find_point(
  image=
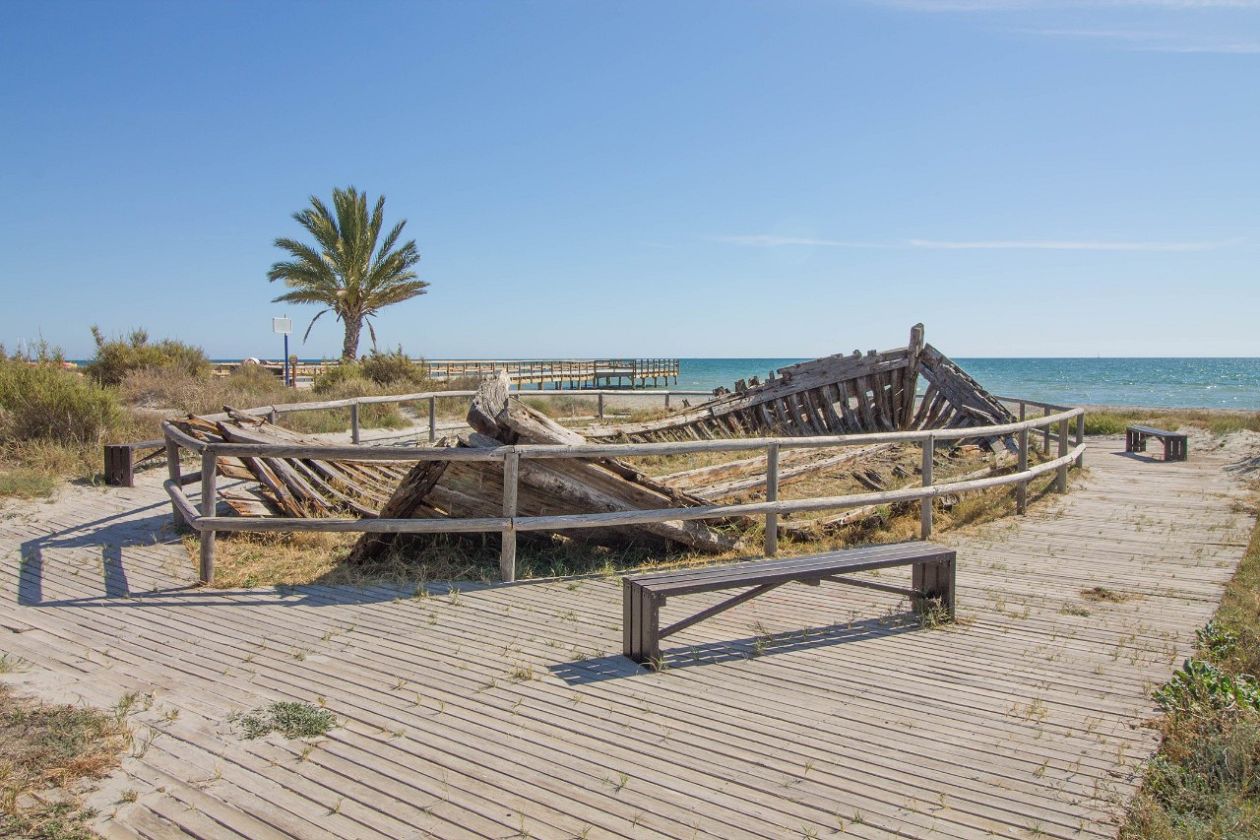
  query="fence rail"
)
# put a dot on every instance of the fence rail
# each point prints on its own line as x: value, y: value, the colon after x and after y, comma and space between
x: 202, y: 517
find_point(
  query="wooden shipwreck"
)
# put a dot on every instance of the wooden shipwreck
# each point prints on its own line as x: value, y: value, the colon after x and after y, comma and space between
x: 835, y: 395
x: 544, y: 487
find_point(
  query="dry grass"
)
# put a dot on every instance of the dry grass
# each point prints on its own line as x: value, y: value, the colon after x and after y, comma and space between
x: 247, y: 560
x: 47, y: 752
x: 1220, y: 422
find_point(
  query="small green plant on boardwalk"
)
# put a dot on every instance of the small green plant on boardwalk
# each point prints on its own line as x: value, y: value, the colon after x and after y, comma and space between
x: 1205, y: 781
x: 46, y: 751
x: 291, y: 719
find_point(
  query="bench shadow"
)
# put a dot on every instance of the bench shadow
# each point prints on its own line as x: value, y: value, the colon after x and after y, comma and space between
x: 1141, y: 456
x: 615, y: 667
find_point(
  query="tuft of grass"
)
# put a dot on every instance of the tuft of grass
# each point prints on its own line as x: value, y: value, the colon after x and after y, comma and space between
x: 45, y: 751
x: 27, y: 483
x: 1204, y: 783
x: 291, y: 719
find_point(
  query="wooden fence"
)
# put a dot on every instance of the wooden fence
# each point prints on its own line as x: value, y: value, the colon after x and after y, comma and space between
x: 203, y: 518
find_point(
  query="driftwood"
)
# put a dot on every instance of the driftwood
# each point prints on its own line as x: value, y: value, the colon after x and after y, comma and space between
x: 834, y: 395
x: 544, y: 487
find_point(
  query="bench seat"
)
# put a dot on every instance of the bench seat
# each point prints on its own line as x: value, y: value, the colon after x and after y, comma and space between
x: 1176, y: 445
x: 645, y: 594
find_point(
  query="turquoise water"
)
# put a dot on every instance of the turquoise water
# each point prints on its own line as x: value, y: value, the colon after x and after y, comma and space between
x: 1152, y: 383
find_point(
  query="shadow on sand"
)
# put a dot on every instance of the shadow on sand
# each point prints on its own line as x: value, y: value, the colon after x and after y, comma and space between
x: 616, y: 667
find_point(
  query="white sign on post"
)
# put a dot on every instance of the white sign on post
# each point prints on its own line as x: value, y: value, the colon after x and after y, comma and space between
x: 282, y: 326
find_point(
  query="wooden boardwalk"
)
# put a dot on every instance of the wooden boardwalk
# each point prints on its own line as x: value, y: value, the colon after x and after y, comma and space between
x: 506, y: 711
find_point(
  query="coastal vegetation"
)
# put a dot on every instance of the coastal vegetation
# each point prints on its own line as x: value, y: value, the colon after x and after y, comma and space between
x: 54, y: 417
x: 1204, y: 783
x: 348, y: 270
x: 1220, y: 422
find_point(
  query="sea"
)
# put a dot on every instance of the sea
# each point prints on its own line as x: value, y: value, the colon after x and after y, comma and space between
x: 1232, y: 383
x: 1144, y: 382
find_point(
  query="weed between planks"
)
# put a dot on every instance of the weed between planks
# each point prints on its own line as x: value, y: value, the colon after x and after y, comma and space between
x: 291, y: 719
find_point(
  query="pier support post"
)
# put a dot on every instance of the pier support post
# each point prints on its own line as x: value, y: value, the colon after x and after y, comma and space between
x: 925, y: 504
x: 209, y: 494
x: 772, y: 495
x: 507, y: 553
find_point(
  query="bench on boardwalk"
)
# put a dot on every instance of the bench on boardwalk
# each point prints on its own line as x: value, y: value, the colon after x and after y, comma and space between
x: 644, y: 595
x: 121, y: 461
x: 1175, y: 445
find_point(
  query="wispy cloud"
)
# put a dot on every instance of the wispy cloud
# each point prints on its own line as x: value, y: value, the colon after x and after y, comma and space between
x: 1145, y: 40
x: 1061, y: 245
x: 766, y: 240
x: 774, y: 241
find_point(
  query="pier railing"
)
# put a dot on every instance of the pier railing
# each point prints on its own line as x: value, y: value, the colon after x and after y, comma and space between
x: 202, y: 516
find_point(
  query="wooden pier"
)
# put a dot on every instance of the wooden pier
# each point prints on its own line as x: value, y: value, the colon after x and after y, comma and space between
x: 507, y: 710
x: 570, y: 374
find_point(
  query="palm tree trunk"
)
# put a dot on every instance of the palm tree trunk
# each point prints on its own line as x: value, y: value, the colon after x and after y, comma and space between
x: 350, y: 347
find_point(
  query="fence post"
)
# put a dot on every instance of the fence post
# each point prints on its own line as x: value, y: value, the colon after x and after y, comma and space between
x: 173, y: 472
x: 1080, y: 438
x: 667, y: 399
x: 432, y: 419
x: 209, y: 496
x: 601, y: 406
x: 925, y: 504
x: 273, y: 417
x: 1045, y: 445
x: 354, y: 422
x: 1021, y: 489
x: 772, y: 495
x: 507, y: 556
x: 1060, y: 483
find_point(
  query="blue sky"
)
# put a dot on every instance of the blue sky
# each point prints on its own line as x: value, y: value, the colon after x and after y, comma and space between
x: 694, y: 179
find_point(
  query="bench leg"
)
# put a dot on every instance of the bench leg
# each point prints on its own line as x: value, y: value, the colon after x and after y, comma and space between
x: 641, y: 625
x: 936, y: 581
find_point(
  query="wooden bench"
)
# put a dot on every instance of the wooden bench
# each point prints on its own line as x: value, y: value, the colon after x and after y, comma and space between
x: 1175, y: 445
x: 644, y: 595
x: 121, y: 461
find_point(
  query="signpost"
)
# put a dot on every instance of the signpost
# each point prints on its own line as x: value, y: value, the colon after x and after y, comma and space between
x: 284, y: 326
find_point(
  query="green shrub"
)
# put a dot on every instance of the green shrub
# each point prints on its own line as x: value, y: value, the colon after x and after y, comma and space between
x: 392, y: 368
x: 334, y: 376
x: 1200, y: 687
x: 115, y: 358
x: 46, y: 402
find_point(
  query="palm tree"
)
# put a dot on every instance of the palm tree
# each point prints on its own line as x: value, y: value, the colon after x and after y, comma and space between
x: 345, y: 270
